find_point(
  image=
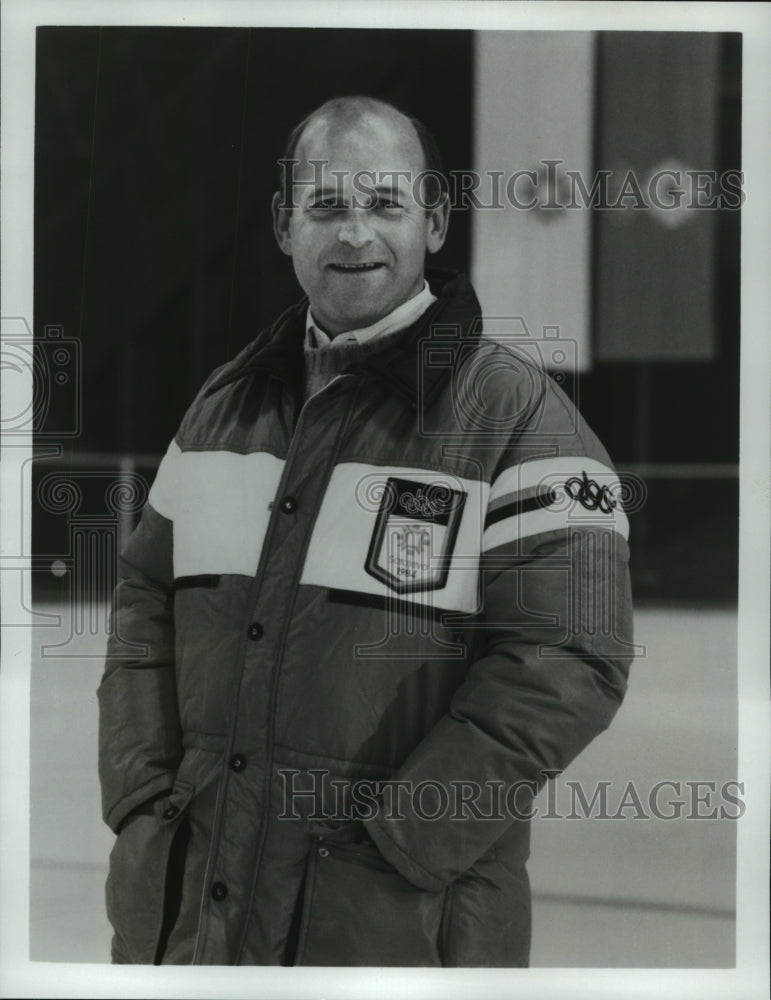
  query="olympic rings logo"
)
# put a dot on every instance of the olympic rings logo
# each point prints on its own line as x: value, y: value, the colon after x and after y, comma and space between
x: 590, y: 494
x: 418, y: 503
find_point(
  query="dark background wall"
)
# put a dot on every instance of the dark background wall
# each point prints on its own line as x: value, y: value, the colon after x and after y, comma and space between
x: 154, y: 164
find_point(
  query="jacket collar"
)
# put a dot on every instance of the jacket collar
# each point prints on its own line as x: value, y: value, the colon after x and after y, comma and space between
x: 453, y: 320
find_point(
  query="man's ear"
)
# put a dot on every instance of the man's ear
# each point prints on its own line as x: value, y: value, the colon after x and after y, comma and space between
x: 281, y: 218
x: 438, y: 222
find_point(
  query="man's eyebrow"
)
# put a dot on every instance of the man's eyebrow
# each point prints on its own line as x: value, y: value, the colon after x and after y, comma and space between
x: 390, y: 188
x: 324, y: 192
x: 332, y: 191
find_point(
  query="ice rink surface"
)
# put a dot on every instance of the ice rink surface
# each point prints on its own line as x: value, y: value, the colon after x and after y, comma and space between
x: 614, y: 892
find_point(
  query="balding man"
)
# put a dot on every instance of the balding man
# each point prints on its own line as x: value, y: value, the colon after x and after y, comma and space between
x: 379, y: 594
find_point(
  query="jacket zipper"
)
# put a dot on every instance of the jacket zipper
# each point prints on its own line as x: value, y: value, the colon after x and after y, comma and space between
x: 344, y: 423
x: 256, y: 590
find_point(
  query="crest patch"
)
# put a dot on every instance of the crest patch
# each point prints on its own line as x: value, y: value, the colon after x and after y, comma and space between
x: 414, y: 535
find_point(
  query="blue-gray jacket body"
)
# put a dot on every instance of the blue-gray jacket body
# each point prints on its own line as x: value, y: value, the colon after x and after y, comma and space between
x: 351, y: 640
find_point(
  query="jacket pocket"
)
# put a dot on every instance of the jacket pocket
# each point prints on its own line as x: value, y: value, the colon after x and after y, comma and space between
x: 140, y: 894
x: 358, y: 910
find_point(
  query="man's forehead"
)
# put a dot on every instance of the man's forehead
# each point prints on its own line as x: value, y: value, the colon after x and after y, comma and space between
x: 375, y: 142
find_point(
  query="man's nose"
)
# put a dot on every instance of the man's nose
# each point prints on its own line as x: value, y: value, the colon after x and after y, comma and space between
x: 355, y: 231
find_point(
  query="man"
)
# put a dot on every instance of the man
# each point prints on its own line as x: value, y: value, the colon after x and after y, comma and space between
x: 378, y: 595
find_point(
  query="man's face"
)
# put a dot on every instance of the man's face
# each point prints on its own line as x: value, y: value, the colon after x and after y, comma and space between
x: 356, y: 236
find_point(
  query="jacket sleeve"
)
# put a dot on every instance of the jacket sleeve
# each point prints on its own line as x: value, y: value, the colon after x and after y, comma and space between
x: 139, y: 730
x: 553, y: 652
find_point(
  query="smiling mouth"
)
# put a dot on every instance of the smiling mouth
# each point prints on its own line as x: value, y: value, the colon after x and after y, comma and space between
x: 356, y: 267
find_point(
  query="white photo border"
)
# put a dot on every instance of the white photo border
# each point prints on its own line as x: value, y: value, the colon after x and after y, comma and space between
x: 21, y: 978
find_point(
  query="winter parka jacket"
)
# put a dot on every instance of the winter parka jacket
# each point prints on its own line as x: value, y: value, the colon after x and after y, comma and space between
x: 351, y: 640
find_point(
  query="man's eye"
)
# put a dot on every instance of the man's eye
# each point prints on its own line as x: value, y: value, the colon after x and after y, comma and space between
x: 387, y: 203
